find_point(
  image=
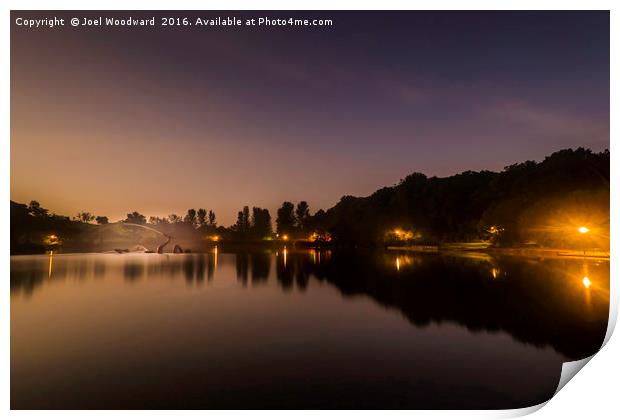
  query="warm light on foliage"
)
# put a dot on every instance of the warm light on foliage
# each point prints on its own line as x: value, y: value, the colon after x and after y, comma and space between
x: 494, y: 230
x: 52, y: 239
x: 400, y: 234
x: 315, y: 236
x: 579, y: 222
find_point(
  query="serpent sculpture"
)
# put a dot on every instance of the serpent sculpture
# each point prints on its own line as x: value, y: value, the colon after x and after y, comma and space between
x: 160, y: 248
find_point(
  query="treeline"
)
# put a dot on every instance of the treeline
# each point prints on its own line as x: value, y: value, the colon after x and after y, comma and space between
x: 31, y: 225
x: 294, y: 221
x: 539, y: 203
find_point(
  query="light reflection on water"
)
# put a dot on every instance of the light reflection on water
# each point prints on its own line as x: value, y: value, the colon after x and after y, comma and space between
x: 299, y: 329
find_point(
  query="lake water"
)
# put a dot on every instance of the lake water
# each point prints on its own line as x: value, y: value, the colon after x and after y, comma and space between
x: 299, y: 329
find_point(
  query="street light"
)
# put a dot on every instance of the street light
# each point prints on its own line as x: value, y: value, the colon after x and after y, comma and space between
x: 583, y: 230
x: 586, y: 282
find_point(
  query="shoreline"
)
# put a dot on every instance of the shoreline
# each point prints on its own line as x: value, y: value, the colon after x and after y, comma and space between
x: 513, y: 251
x: 445, y: 249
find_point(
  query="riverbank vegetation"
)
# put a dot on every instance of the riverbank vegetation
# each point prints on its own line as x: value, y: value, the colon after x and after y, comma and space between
x: 562, y: 202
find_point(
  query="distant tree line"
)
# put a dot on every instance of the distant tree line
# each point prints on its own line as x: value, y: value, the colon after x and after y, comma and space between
x: 541, y: 203
x: 529, y: 202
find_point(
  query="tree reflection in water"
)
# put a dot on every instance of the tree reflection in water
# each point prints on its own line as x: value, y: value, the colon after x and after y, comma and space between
x: 537, y: 301
x: 299, y: 329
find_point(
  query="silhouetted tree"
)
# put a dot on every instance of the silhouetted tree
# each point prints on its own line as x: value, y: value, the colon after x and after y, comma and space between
x: 239, y: 224
x: 190, y: 217
x: 35, y: 209
x: 317, y: 222
x: 285, y: 221
x: 242, y: 227
x: 155, y: 220
x: 102, y: 220
x: 136, y: 218
x: 518, y: 202
x: 302, y: 212
x: 173, y: 218
x: 85, y: 217
x: 201, y: 217
x: 261, y: 222
x: 246, y: 218
x: 534, y: 202
x: 211, y: 218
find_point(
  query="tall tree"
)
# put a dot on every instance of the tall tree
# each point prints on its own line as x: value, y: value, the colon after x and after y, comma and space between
x: 201, y: 217
x: 261, y: 222
x: 211, y: 218
x: 285, y: 220
x: 302, y: 212
x: 190, y: 217
x: 239, y: 225
x: 243, y: 221
x: 246, y: 218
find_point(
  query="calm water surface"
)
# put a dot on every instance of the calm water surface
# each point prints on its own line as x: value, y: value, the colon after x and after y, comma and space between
x: 303, y: 329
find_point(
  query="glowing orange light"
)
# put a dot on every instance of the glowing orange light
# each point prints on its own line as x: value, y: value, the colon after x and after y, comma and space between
x: 52, y: 239
x: 397, y: 264
x: 586, y: 282
x: 49, y: 270
x: 402, y: 235
x: 285, y: 237
x: 583, y: 229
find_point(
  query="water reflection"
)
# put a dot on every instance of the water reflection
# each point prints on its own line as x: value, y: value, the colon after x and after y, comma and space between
x: 51, y: 263
x: 542, y: 304
x: 555, y: 299
x: 261, y: 266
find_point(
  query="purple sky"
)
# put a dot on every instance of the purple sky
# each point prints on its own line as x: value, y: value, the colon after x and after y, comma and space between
x: 159, y: 120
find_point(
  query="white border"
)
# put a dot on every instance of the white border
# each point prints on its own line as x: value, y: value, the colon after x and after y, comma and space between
x: 594, y: 394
